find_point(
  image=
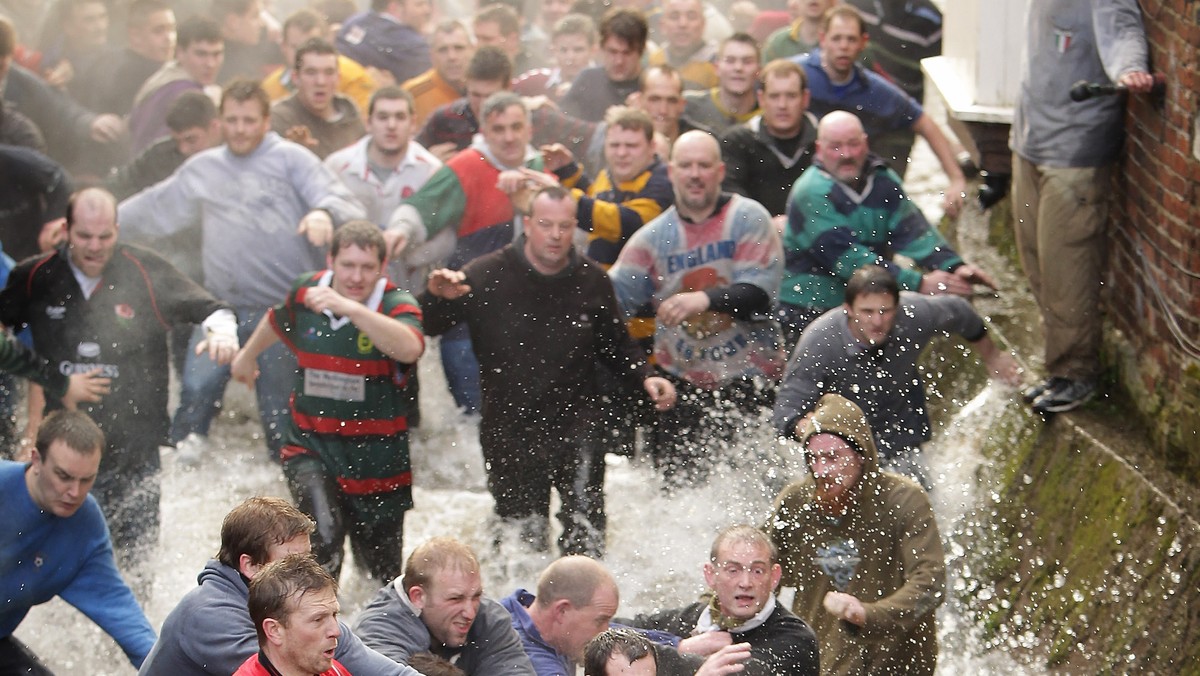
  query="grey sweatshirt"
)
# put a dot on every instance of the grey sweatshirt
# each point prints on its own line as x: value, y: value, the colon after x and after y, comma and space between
x: 249, y: 208
x: 881, y: 379
x: 1068, y: 41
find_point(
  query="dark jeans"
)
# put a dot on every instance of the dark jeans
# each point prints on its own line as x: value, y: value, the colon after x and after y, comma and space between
x: 17, y: 658
x: 524, y: 463
x: 128, y: 490
x: 378, y: 545
x: 683, y: 440
x: 462, y: 369
x: 203, y: 387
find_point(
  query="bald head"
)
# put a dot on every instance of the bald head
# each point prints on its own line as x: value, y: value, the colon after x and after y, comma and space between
x: 574, y: 578
x: 842, y: 146
x: 696, y: 172
x: 839, y: 122
x: 576, y: 599
x: 696, y: 141
x: 92, y: 230
x: 91, y: 201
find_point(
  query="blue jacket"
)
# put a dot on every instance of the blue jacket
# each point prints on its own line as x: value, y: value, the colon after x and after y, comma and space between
x: 879, y: 104
x: 546, y: 660
x: 43, y: 556
x: 375, y: 40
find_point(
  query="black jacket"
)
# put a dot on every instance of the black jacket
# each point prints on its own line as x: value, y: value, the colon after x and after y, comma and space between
x: 784, y: 645
x: 120, y: 330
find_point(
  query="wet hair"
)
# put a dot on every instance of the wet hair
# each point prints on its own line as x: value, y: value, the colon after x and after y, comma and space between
x: 278, y: 587
x: 490, y: 64
x: 140, y: 11
x: 633, y: 119
x: 434, y: 556
x: 192, y: 109
x: 89, y: 196
x: 574, y: 578
x: 743, y: 533
x: 429, y: 664
x: 242, y: 90
x: 73, y: 428
x: 197, y: 29
x: 8, y: 37
x: 871, y: 279
x: 500, y: 102
x: 625, y: 642
x: 844, y: 12
x: 257, y: 524
x: 576, y: 24
x: 391, y: 93
x: 627, y: 24
x: 502, y: 15
x: 745, y: 39
x: 318, y: 46
x: 362, y: 234
x: 223, y: 8
x: 305, y: 21
x: 782, y: 68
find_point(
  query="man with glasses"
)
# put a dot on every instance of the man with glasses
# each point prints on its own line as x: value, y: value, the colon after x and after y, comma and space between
x: 742, y: 573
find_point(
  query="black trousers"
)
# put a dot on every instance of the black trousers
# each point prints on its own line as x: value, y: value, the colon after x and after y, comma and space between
x: 128, y: 490
x: 524, y: 462
x: 684, y: 441
x: 378, y: 544
x: 17, y: 658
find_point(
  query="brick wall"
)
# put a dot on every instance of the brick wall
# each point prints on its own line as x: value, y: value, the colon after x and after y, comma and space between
x: 1156, y: 241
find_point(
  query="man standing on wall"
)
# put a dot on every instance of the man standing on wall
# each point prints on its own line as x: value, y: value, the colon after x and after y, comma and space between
x: 1062, y: 161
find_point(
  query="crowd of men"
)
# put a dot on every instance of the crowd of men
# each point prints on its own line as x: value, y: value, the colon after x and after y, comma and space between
x: 632, y: 227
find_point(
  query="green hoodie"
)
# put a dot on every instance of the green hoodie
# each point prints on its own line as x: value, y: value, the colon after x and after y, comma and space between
x: 885, y: 550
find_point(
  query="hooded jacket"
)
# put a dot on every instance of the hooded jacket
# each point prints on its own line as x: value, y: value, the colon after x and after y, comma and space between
x: 886, y: 551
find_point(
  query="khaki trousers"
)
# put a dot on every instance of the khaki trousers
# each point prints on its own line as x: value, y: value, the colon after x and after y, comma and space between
x: 1060, y: 217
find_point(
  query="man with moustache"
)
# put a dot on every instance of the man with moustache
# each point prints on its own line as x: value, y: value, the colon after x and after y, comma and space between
x: 861, y: 547
x: 849, y: 210
x: 838, y: 82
